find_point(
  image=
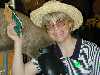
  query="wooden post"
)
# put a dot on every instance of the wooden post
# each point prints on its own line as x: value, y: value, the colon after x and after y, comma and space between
x: 5, y: 62
x: 12, y: 3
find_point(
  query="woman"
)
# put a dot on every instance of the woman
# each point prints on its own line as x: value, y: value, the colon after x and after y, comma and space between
x: 59, y: 20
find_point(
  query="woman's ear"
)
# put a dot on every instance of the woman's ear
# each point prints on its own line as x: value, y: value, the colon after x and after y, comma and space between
x: 71, y: 25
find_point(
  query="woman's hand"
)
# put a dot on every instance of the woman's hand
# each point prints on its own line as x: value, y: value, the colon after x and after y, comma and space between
x: 12, y: 34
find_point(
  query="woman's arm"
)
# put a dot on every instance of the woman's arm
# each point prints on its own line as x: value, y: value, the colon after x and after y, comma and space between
x: 30, y: 69
x: 18, y: 65
x: 19, y: 68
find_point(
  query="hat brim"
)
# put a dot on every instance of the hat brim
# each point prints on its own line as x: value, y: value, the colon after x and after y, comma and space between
x: 54, y: 6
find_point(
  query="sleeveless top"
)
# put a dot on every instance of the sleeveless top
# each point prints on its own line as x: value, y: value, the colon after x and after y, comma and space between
x: 84, y: 61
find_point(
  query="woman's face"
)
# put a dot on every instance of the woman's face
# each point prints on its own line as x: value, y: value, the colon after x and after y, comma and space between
x: 59, y: 31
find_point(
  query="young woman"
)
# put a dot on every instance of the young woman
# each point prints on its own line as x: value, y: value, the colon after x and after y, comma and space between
x: 78, y: 56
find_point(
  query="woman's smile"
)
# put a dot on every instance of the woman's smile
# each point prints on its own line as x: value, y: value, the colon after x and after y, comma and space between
x: 59, y: 34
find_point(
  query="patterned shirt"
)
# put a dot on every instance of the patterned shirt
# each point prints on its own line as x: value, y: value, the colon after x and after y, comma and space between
x: 84, y: 61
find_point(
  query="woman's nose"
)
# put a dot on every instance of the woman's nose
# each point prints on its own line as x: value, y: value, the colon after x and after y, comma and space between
x: 55, y: 27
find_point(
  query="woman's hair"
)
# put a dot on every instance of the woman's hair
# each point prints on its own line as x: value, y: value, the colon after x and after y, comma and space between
x: 55, y: 16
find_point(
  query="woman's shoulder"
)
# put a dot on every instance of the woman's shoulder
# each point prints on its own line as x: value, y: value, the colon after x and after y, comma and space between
x: 90, y: 48
x: 89, y: 43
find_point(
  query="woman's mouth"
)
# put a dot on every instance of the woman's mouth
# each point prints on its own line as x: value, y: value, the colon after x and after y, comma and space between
x: 60, y: 34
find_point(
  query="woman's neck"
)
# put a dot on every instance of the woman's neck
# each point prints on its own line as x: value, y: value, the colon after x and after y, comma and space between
x: 67, y: 46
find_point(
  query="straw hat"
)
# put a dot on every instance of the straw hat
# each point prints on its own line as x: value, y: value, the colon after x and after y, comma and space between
x: 54, y: 6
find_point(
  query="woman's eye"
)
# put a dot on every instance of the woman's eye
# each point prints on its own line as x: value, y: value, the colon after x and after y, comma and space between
x: 60, y: 24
